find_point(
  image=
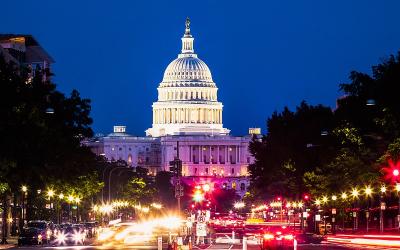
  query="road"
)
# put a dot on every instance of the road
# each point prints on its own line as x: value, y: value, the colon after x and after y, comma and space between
x: 327, y: 246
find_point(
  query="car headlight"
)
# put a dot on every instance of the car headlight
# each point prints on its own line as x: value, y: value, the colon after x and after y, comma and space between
x: 78, y: 237
x: 60, y: 238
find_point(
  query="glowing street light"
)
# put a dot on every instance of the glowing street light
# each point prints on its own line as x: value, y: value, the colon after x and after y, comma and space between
x: 24, y: 188
x: 77, y: 199
x: 383, y: 189
x: 50, y: 193
x: 317, y: 202
x: 344, y: 196
x: 334, y: 197
x: 355, y: 193
x: 71, y: 198
x: 368, y: 191
x: 395, y: 172
x: 324, y: 199
x: 397, y: 187
x: 61, y: 196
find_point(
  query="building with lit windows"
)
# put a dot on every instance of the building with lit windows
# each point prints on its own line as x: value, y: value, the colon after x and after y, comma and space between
x: 187, y: 122
x: 24, y: 51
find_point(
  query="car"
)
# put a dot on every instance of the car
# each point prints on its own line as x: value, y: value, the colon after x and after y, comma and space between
x: 70, y: 235
x: 277, y: 237
x: 90, y: 228
x: 45, y: 229
x: 30, y: 236
x: 309, y: 238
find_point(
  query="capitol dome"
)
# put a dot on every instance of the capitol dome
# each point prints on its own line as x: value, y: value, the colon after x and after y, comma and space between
x: 187, y: 69
x: 187, y: 97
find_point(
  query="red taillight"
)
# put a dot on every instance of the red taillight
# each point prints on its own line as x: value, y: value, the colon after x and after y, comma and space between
x: 288, y: 237
x: 268, y: 236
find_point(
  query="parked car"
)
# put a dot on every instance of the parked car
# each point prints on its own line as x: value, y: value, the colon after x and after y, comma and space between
x: 45, y: 228
x: 30, y: 236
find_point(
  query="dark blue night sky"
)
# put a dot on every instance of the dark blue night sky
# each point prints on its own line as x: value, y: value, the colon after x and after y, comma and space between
x: 263, y: 54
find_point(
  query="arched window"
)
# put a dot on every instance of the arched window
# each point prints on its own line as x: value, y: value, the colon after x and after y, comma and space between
x: 242, y: 187
x: 234, y: 185
x: 129, y: 159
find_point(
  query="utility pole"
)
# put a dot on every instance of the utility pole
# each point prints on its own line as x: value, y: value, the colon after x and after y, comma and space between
x: 176, y: 168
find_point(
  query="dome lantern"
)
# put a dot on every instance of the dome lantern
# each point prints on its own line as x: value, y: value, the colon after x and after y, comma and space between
x: 187, y: 40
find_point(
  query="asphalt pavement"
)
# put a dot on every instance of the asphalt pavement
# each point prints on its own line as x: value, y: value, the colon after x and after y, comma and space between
x: 323, y: 246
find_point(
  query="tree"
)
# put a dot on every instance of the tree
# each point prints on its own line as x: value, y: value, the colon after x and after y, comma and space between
x: 41, y: 132
x: 295, y: 143
x: 164, y: 189
x: 138, y: 190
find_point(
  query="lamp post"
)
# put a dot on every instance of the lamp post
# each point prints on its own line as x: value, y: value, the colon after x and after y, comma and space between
x: 50, y: 194
x: 70, y: 200
x: 59, y: 208
x: 77, y: 201
x: 317, y: 216
x: 334, y: 198
x: 354, y: 194
x: 368, y: 193
x: 398, y: 211
x: 24, y: 190
x: 102, y: 190
x: 396, y: 173
x: 344, y: 198
x: 381, y: 208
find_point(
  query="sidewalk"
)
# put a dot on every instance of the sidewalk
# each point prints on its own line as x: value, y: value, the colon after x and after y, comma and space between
x: 12, y: 242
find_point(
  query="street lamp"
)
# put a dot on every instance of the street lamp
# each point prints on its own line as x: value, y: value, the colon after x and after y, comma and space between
x: 334, y: 198
x: 354, y: 194
x: 344, y: 198
x: 70, y: 200
x: 397, y: 187
x: 382, y: 206
x: 50, y: 194
x: 368, y: 192
x: 59, y: 207
x: 24, y: 190
x: 77, y: 201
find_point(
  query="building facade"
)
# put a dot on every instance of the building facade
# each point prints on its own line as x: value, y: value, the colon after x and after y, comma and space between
x: 25, y: 51
x: 187, y: 123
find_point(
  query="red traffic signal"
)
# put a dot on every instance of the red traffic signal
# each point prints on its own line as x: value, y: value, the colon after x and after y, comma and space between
x: 306, y: 197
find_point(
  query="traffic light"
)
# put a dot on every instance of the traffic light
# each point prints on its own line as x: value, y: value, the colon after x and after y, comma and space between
x: 176, y: 167
x: 306, y: 197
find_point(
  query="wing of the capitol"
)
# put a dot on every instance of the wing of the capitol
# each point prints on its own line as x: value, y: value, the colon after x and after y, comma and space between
x: 187, y: 113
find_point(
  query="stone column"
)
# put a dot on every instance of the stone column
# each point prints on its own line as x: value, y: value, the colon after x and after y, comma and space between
x: 226, y: 154
x: 218, y: 161
x: 238, y: 154
x: 209, y: 154
x: 200, y: 154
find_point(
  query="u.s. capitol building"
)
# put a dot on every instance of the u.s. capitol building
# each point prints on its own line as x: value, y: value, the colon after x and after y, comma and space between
x: 187, y: 111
